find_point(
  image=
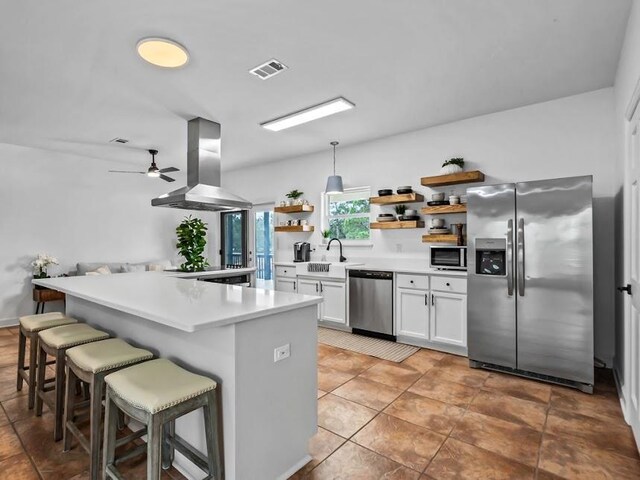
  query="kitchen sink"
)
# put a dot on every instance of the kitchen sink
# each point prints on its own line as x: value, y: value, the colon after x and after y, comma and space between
x: 324, y: 269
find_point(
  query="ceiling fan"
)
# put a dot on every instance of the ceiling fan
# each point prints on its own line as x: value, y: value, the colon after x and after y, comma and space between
x: 153, y: 171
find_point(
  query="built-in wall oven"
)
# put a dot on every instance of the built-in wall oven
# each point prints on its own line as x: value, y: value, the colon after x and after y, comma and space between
x: 448, y: 257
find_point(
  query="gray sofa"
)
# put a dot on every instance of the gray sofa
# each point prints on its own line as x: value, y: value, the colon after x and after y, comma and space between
x: 82, y: 268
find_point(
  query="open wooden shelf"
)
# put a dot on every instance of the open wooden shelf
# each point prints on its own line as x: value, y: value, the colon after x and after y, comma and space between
x: 443, y: 238
x: 453, y: 179
x: 294, y: 209
x: 396, y: 199
x: 294, y: 228
x: 443, y: 209
x: 396, y: 225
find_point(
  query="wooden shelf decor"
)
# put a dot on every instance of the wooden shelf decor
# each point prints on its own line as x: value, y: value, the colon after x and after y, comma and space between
x: 444, y: 209
x: 294, y: 209
x: 453, y: 179
x: 397, y: 199
x: 396, y: 225
x: 444, y: 238
x: 294, y: 228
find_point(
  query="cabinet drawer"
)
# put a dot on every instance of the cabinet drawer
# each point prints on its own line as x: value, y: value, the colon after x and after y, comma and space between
x: 449, y: 284
x: 287, y: 272
x: 405, y: 280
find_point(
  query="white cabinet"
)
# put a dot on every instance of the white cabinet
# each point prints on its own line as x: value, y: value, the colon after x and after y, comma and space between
x: 412, y: 313
x: 431, y: 311
x: 308, y: 287
x: 284, y: 284
x: 449, y: 318
x: 334, y: 307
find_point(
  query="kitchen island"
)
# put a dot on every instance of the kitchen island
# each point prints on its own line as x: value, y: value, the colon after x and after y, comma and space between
x: 229, y: 333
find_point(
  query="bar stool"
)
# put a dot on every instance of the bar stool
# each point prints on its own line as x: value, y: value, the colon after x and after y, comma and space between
x: 91, y: 363
x: 55, y: 342
x: 30, y: 326
x: 156, y: 393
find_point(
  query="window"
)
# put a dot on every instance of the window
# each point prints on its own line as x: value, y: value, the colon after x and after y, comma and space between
x: 233, y: 239
x: 346, y: 215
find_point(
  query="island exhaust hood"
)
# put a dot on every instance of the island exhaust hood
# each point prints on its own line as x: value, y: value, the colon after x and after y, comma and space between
x: 203, y: 191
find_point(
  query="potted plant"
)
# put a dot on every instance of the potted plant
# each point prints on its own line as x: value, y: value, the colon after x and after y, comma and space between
x: 294, y: 196
x: 453, y: 165
x: 41, y: 265
x: 192, y: 239
x: 326, y: 234
x: 400, y: 209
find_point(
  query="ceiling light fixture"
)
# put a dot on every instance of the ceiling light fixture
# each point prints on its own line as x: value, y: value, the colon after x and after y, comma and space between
x: 331, y: 107
x: 334, y: 182
x: 162, y: 52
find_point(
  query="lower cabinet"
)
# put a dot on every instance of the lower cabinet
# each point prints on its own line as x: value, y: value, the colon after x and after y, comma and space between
x: 334, y: 307
x: 412, y: 313
x: 284, y: 284
x: 448, y: 318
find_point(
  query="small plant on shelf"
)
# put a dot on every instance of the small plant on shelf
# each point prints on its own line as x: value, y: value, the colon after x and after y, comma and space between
x: 294, y: 194
x: 400, y: 209
x: 453, y: 165
x: 326, y: 233
x: 192, y: 239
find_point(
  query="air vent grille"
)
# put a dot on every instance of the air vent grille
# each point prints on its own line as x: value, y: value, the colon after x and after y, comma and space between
x: 118, y: 140
x: 268, y: 69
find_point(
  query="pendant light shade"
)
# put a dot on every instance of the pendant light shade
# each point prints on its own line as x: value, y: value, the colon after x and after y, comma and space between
x: 334, y: 182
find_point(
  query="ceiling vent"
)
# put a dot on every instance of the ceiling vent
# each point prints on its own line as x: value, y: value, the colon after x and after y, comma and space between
x: 268, y: 69
x: 118, y: 140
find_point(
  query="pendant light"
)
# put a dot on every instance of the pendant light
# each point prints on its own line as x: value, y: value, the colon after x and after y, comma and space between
x: 334, y: 183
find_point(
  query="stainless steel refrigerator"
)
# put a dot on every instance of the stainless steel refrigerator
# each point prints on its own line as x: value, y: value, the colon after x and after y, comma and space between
x: 530, y: 284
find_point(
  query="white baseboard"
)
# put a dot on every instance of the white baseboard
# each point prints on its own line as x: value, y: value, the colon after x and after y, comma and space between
x: 9, y: 322
x: 623, y: 401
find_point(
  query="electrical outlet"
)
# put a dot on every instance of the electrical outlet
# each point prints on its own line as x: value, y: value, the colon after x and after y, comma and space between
x: 282, y: 352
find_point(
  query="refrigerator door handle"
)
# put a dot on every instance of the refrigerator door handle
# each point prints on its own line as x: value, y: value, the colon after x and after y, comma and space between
x: 510, y: 257
x: 520, y: 254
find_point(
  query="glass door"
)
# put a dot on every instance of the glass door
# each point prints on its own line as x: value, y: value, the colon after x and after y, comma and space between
x: 262, y: 243
x: 233, y: 239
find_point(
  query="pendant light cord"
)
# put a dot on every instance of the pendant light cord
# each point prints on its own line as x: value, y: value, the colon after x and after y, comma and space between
x: 334, y: 157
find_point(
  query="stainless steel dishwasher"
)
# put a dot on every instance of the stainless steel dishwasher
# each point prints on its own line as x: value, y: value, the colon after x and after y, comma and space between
x: 371, y: 303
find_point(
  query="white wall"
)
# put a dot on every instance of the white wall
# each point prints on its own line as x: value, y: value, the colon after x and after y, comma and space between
x: 565, y: 137
x: 627, y: 77
x: 70, y: 207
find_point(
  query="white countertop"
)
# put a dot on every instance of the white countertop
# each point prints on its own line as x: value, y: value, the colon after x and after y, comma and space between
x: 182, y: 303
x: 229, y: 272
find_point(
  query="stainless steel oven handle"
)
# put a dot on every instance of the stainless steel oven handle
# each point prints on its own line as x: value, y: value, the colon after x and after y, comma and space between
x: 520, y: 242
x: 509, y: 265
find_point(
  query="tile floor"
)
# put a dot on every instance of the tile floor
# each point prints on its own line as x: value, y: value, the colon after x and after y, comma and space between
x: 432, y: 417
x: 27, y: 449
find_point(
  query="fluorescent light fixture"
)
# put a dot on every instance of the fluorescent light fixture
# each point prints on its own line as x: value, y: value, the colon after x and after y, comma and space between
x: 331, y: 107
x: 163, y: 52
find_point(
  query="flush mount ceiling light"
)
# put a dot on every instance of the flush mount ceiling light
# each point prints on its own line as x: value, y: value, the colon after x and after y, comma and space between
x: 334, y: 182
x: 162, y: 52
x: 331, y: 107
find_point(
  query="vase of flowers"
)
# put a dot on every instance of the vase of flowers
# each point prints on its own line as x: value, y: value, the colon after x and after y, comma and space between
x: 41, y: 265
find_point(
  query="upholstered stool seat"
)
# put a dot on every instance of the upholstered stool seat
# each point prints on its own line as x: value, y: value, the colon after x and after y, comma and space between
x: 30, y: 325
x: 55, y: 342
x: 156, y: 393
x: 90, y: 363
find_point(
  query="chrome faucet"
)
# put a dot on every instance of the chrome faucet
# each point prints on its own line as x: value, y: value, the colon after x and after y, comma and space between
x: 342, y: 258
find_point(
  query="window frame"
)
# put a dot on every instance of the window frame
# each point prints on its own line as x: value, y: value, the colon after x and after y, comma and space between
x: 366, y: 191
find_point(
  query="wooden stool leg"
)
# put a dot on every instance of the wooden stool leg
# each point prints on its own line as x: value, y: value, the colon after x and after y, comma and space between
x: 110, y: 427
x: 38, y: 385
x: 96, y: 414
x: 69, y: 408
x: 154, y: 448
x: 168, y: 452
x: 59, y: 405
x: 22, y: 345
x: 33, y: 365
x: 211, y: 432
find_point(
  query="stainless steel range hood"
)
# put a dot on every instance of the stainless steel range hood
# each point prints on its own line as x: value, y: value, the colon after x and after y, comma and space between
x: 203, y: 190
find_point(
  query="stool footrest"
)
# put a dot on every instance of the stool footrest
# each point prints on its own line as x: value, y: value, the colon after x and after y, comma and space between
x: 139, y: 450
x: 80, y: 436
x: 190, y: 452
x: 131, y: 437
x: 113, y: 473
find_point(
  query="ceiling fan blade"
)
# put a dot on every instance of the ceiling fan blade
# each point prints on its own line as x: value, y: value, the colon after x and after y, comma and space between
x: 167, y: 179
x: 169, y: 169
x: 125, y: 171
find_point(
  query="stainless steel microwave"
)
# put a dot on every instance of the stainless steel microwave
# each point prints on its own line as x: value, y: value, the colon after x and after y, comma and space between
x: 448, y: 257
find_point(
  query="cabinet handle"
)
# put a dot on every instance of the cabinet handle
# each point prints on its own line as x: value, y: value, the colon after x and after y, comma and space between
x: 448, y: 284
x: 410, y: 281
x: 321, y: 289
x: 316, y: 288
x: 426, y: 299
x: 294, y: 286
x: 433, y: 299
